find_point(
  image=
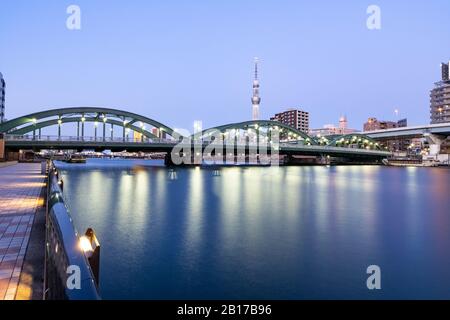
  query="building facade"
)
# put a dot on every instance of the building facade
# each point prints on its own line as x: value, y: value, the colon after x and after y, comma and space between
x: 294, y: 118
x: 2, y: 98
x: 374, y: 124
x: 331, y: 129
x: 440, y: 97
x: 396, y: 145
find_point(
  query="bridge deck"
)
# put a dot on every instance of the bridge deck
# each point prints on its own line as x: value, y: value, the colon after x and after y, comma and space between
x: 16, y: 143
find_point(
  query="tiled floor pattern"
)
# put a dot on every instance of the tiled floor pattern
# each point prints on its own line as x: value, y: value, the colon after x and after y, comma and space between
x: 20, y: 190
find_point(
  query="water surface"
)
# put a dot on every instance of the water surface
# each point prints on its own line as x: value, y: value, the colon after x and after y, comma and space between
x: 264, y: 232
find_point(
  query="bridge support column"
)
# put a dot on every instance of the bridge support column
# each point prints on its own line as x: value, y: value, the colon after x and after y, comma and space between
x: 2, y: 147
x: 124, y: 129
x: 78, y: 130
x: 168, y: 160
x: 112, y: 131
x: 435, y: 142
x: 104, y: 130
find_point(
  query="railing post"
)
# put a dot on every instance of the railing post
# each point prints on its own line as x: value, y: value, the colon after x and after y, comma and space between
x: 124, y: 129
x: 59, y: 127
x: 82, y: 127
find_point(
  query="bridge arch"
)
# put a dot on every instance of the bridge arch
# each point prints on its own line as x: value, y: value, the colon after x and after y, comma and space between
x: 99, y: 115
x: 263, y: 127
x: 361, y: 141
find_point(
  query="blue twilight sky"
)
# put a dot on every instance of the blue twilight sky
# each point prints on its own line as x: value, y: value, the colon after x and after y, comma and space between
x: 180, y: 61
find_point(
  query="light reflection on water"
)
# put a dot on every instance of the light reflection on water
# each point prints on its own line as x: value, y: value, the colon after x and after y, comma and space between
x: 281, y: 232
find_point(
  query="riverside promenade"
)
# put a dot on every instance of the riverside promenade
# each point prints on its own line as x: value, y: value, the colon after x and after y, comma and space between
x: 21, y: 187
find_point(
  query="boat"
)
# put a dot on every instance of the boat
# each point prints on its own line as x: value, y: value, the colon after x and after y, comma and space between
x: 410, y: 162
x: 76, y: 158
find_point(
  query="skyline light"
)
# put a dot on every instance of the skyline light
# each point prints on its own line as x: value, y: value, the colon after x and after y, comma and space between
x: 320, y: 56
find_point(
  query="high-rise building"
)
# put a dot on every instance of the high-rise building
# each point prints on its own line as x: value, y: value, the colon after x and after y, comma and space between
x: 445, y: 70
x: 256, y: 100
x: 2, y: 98
x: 295, y: 118
x: 440, y: 97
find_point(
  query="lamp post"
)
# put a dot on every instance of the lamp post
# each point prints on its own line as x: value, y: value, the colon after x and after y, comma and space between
x: 59, y: 127
x: 104, y: 127
x: 83, y: 119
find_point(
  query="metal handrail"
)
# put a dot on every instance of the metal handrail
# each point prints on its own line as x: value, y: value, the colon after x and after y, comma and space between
x: 63, y: 249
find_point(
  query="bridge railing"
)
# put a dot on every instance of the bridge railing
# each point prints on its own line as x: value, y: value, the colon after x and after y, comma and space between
x: 43, y: 138
x: 336, y: 149
x: 63, y: 250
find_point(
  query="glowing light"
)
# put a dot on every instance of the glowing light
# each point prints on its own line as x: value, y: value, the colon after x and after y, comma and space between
x: 96, y: 124
x: 59, y: 121
x: 85, y: 245
x: 83, y: 119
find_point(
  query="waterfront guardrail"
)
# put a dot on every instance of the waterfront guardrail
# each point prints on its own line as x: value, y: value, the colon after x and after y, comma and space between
x: 68, y: 273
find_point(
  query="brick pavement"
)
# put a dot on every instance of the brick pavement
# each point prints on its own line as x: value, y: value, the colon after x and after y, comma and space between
x: 20, y: 196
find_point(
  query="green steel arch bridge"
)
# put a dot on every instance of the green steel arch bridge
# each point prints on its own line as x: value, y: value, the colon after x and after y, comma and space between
x: 119, y: 130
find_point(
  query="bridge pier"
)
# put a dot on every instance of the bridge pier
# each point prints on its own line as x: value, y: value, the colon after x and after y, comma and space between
x: 435, y: 141
x: 2, y: 148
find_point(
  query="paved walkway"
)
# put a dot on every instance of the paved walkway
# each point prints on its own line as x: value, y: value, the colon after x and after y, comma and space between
x: 20, y: 196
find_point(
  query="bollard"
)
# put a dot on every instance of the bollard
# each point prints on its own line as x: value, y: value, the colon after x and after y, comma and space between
x: 93, y: 253
x: 61, y: 185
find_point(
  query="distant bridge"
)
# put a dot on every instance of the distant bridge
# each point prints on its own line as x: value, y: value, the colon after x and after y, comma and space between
x: 26, y: 133
x: 411, y: 132
x: 435, y: 134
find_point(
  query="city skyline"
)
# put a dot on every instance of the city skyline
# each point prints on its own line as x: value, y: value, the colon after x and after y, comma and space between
x: 179, y: 69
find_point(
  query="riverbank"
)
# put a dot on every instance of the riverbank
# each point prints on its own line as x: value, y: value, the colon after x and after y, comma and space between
x: 7, y: 164
x: 22, y: 245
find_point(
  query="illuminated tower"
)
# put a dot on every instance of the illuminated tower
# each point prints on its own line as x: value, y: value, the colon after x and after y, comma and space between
x: 256, y: 100
x: 2, y: 98
x: 343, y: 124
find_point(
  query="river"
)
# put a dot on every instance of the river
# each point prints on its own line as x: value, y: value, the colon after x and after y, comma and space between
x: 290, y: 232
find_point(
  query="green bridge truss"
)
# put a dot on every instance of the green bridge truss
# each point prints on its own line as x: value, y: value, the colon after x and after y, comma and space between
x: 33, y: 123
x: 292, y: 135
x: 262, y: 128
